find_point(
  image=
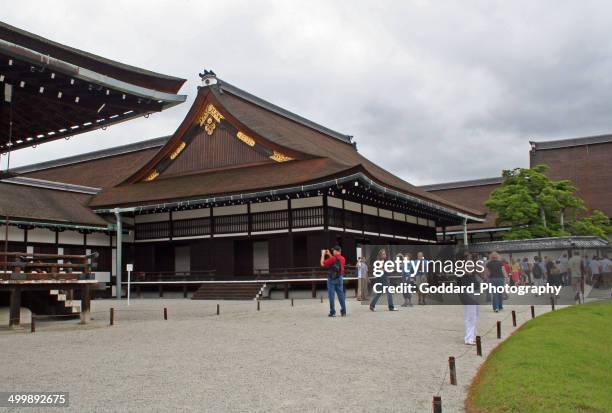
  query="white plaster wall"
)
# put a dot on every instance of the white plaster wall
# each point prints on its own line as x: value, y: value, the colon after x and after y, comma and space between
x: 230, y: 210
x: 41, y: 235
x: 70, y: 237
x: 98, y: 238
x: 307, y: 202
x: 162, y: 216
x: 192, y: 213
x: 14, y: 233
x: 269, y: 206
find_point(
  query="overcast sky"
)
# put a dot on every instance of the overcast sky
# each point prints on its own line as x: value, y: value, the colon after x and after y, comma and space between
x: 432, y: 91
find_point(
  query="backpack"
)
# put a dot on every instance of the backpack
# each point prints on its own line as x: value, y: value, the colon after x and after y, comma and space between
x: 334, y: 269
x: 537, y: 271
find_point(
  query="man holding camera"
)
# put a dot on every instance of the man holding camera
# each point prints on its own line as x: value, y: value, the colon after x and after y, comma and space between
x: 334, y: 262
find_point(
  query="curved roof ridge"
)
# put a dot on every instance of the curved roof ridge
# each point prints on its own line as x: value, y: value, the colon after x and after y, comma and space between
x: 224, y: 86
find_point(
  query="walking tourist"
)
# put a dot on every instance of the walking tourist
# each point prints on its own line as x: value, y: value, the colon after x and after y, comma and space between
x: 362, y: 279
x: 575, y: 272
x: 552, y: 273
x: 496, y: 273
x: 420, y: 275
x: 407, y: 280
x: 471, y: 307
x: 334, y: 262
x: 526, y: 271
x: 562, y: 263
x: 537, y: 273
x: 381, y: 283
x: 595, y: 271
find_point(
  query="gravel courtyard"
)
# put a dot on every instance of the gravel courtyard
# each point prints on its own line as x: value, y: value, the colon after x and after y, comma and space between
x: 281, y: 358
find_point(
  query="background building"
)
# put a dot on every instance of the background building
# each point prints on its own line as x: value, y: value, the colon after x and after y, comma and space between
x: 586, y: 162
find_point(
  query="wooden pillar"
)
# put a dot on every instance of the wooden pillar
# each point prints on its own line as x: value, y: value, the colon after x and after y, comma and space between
x: 290, y: 255
x: 85, y: 303
x: 15, y: 305
x: 325, y: 213
x: 249, y: 219
x: 212, y: 222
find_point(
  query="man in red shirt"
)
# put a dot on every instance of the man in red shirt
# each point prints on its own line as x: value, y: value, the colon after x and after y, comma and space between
x: 335, y: 285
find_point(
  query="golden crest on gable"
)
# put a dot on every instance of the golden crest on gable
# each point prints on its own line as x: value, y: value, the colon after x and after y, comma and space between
x: 280, y: 157
x: 209, y: 119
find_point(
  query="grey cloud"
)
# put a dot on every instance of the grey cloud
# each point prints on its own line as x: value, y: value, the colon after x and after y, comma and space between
x: 431, y: 91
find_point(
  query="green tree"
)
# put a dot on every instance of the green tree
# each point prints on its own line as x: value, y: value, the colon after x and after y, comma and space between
x: 533, y: 205
x: 596, y: 224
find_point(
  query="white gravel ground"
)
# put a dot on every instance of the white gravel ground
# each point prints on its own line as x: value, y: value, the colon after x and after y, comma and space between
x: 281, y: 358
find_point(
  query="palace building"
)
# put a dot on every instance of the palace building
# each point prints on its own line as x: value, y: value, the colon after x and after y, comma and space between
x: 242, y: 187
x: 50, y: 240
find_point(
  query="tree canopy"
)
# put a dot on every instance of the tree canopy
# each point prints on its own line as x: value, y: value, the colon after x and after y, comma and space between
x: 534, y: 206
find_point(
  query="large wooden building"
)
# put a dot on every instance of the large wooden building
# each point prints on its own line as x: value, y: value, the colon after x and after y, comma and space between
x: 49, y: 237
x: 244, y: 186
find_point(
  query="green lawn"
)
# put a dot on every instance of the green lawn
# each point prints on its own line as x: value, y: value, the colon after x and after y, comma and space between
x: 558, y: 362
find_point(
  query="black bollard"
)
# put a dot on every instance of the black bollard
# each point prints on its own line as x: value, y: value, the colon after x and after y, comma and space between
x: 258, y: 306
x: 291, y: 301
x: 453, y: 372
x: 33, y: 324
x: 165, y: 313
x: 532, y: 312
x: 218, y: 308
x: 112, y: 316
x: 437, y: 404
x: 552, y: 303
x: 513, y: 318
x: 499, y: 329
x: 478, y: 346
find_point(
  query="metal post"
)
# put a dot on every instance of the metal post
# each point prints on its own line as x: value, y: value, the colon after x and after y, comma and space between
x: 465, y: 234
x: 165, y: 313
x: 453, y: 371
x: 478, y: 346
x: 513, y: 318
x: 129, y: 275
x: 119, y: 246
x: 532, y: 312
x: 499, y: 329
x: 437, y: 404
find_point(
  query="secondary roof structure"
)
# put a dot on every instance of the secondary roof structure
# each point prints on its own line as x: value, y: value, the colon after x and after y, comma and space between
x: 52, y: 91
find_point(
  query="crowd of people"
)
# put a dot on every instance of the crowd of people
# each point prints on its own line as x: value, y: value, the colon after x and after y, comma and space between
x: 593, y: 269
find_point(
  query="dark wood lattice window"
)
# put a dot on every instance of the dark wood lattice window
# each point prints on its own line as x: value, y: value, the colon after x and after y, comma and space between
x: 307, y: 217
x: 230, y: 224
x: 270, y: 221
x: 191, y: 227
x: 153, y: 230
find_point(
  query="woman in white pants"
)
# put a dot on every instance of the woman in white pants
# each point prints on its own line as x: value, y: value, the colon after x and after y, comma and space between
x: 471, y: 307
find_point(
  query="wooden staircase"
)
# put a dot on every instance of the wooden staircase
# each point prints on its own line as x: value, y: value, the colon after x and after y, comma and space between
x: 63, y: 305
x: 229, y: 291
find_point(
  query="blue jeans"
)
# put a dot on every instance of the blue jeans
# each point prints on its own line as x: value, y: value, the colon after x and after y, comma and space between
x: 336, y: 287
x: 497, y: 298
x: 384, y: 281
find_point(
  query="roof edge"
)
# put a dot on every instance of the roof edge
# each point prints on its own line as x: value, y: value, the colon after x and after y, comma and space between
x: 462, y: 184
x: 95, y: 155
x: 242, y: 94
x: 571, y: 142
